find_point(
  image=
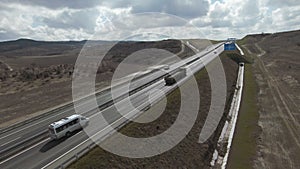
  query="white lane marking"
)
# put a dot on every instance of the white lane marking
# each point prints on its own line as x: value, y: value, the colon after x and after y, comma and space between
x: 149, y: 88
x: 94, y: 135
x: 30, y: 126
x: 57, y: 114
x: 21, y: 152
x: 74, y: 135
x: 39, y: 122
x: 105, y: 128
x: 9, y: 142
x: 77, y: 133
x: 67, y: 151
x: 31, y: 148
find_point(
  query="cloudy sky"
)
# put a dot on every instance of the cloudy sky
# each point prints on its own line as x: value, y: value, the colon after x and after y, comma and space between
x: 121, y: 19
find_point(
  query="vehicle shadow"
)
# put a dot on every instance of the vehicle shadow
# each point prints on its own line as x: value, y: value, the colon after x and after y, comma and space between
x: 52, y: 143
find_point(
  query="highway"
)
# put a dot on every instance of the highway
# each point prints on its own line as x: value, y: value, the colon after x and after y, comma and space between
x: 17, y: 151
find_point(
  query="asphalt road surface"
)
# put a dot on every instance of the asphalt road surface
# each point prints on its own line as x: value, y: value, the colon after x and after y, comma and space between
x: 46, y: 150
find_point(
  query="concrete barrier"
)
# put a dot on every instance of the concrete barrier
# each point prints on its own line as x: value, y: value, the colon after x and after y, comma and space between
x: 225, y: 140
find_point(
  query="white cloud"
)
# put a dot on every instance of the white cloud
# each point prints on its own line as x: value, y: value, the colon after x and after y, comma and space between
x: 182, y: 8
x: 57, y: 4
x: 282, y: 3
x: 286, y: 16
x: 76, y: 20
x: 240, y: 17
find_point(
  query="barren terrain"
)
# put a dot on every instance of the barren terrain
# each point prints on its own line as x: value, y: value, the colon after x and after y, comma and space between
x: 36, y: 76
x: 276, y: 68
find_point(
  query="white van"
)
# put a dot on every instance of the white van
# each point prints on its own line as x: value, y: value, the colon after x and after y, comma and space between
x: 67, y: 125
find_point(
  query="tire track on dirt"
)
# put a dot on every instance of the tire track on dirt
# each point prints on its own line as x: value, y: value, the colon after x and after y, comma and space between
x: 281, y: 155
x: 274, y: 86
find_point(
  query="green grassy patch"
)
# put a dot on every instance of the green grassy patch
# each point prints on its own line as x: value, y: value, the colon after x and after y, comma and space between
x: 249, y: 57
x: 244, y: 142
x: 238, y: 58
x: 215, y: 41
x: 242, y: 41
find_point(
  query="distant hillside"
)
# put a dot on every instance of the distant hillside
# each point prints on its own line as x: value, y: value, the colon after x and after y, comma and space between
x: 28, y: 47
x: 278, y: 38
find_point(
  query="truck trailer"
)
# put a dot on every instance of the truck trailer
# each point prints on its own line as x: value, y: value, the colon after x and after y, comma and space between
x: 175, y: 77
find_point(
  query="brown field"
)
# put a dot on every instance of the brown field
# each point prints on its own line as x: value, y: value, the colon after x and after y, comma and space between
x: 36, y: 76
x: 276, y: 68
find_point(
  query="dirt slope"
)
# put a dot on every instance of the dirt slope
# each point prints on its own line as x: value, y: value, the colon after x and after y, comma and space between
x: 277, y: 67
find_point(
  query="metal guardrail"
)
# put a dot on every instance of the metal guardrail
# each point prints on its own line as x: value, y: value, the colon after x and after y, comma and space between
x: 9, y: 128
x: 84, y: 147
x: 71, y: 104
x: 42, y: 135
x: 18, y: 147
x: 81, y: 149
x: 53, y: 111
x: 7, y: 152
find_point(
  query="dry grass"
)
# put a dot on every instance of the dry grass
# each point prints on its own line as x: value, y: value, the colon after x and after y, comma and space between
x: 188, y: 153
x: 244, y: 145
